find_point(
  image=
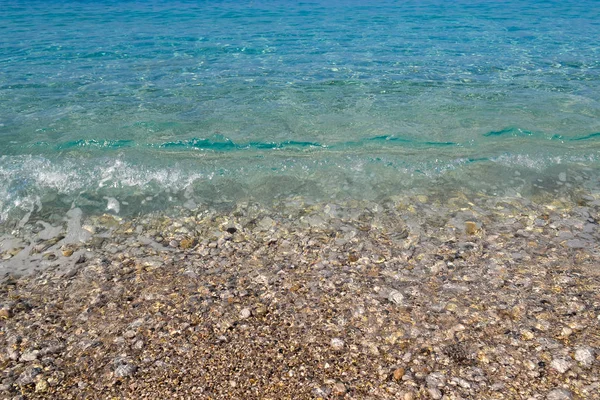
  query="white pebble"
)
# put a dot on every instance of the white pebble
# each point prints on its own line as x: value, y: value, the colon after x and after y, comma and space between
x: 337, y: 344
x: 560, y: 364
x: 562, y: 177
x: 585, y: 356
x: 396, y: 297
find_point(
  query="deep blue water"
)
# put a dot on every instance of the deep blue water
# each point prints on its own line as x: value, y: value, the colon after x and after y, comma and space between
x: 160, y: 102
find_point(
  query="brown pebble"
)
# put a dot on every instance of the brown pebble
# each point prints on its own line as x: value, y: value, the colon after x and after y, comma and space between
x: 398, y: 373
x: 471, y: 228
x: 67, y: 252
x: 5, y: 313
x: 186, y: 243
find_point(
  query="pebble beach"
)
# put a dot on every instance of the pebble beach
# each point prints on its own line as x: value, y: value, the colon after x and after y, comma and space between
x: 319, y: 200
x: 416, y: 297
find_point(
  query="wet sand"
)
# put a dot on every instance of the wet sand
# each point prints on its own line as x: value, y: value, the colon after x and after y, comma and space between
x: 410, y: 298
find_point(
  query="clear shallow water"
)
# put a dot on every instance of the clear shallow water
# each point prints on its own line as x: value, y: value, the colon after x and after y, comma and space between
x: 157, y: 104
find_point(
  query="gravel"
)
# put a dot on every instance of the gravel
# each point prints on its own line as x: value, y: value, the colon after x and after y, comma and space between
x: 315, y: 300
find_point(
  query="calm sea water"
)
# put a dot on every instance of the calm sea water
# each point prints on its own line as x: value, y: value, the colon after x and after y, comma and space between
x: 159, y: 103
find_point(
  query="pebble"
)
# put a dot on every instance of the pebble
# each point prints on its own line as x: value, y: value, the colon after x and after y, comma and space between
x: 138, y: 345
x: 562, y: 177
x: 67, y: 252
x: 585, y: 356
x: 462, y: 383
x: 560, y: 364
x: 5, y: 313
x: 408, y: 396
x: 41, y: 386
x: 125, y: 370
x: 29, y: 356
x: 398, y: 373
x: 245, y: 313
x: 470, y: 228
x: 339, y: 389
x: 129, y: 334
x: 435, y: 379
x: 559, y: 394
x: 186, y: 243
x: 337, y: 344
x: 435, y: 393
x: 28, y: 376
x: 396, y: 297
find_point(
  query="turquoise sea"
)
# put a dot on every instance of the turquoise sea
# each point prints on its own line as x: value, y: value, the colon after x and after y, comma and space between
x: 130, y: 107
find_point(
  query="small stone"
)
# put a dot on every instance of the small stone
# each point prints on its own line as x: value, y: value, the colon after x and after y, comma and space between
x: 260, y: 310
x: 408, y: 396
x: 5, y: 313
x: 559, y: 394
x: 67, y: 252
x: 462, y: 383
x: 41, y: 386
x: 561, y: 365
x: 125, y: 370
x: 562, y: 177
x: 435, y: 393
x: 585, y: 356
x: 339, y: 389
x: 13, y: 354
x: 435, y: 379
x: 29, y: 356
x: 527, y: 335
x: 398, y: 373
x: 471, y: 228
x: 396, y: 297
x: 130, y: 334
x: 566, y: 332
x: 245, y: 313
x: 186, y: 243
x: 28, y: 376
x: 337, y: 344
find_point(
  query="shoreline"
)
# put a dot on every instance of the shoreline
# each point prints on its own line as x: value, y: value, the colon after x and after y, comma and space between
x: 416, y: 297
